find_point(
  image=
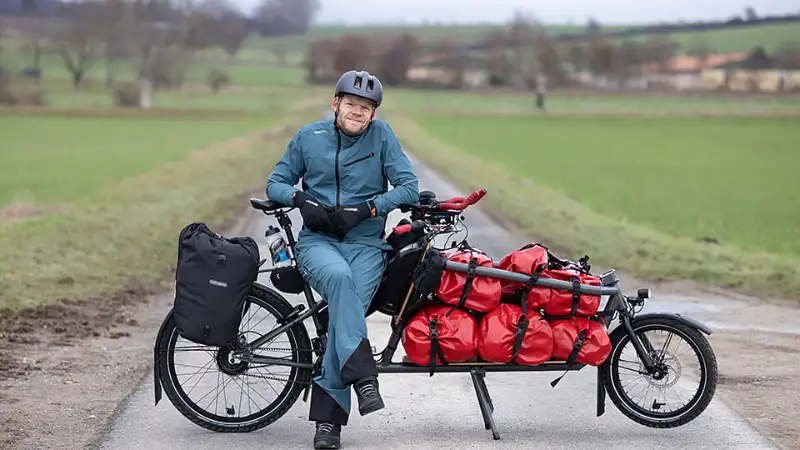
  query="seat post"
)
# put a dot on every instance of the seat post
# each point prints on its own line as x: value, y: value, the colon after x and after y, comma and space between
x: 286, y: 223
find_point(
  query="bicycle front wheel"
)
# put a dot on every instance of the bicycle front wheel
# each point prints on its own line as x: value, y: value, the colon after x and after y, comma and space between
x: 684, y: 382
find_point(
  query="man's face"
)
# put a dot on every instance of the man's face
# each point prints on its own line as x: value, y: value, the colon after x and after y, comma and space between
x: 355, y: 113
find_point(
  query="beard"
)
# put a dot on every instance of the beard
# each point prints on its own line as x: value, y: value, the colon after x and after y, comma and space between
x: 352, y: 127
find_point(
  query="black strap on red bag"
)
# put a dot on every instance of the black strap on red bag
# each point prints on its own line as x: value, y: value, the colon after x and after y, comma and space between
x: 471, y: 274
x: 576, y: 300
x: 524, y: 321
x: 436, y: 348
x: 573, y: 355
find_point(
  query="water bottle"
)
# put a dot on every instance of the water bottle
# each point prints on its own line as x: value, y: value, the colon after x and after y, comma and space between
x: 277, y: 247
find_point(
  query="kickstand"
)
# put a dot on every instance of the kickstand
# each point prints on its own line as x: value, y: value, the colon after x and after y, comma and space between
x: 484, y: 400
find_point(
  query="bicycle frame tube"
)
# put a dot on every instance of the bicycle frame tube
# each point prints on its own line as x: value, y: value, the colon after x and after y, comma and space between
x: 272, y: 334
x: 286, y: 223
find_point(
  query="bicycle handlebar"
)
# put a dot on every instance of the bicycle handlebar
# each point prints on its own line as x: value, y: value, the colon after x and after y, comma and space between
x: 460, y: 203
x: 453, y: 204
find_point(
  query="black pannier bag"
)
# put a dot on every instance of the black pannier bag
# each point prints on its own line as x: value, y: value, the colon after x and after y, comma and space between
x: 407, y: 250
x: 212, y: 279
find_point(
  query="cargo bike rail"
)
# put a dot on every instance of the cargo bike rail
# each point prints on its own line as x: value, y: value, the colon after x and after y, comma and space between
x: 656, y: 362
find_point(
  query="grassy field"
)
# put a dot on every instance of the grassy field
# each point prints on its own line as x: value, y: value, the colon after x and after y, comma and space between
x: 115, y: 217
x: 457, y: 102
x: 770, y: 36
x: 682, y: 176
x: 74, y: 157
x: 636, y: 193
x: 92, y: 197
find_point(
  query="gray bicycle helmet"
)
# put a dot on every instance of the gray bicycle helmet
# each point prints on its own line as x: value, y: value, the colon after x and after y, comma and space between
x: 361, y: 84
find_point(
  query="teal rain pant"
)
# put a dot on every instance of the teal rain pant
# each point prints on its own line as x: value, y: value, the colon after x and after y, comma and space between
x: 346, y: 274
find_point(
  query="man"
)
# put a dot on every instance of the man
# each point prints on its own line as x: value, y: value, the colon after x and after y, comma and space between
x: 346, y: 165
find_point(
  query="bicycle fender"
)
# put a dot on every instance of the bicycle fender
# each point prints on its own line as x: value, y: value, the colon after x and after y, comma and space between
x: 156, y: 365
x: 688, y: 320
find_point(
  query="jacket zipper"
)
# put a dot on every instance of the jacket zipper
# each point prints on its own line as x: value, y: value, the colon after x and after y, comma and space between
x: 338, y: 149
x: 359, y: 160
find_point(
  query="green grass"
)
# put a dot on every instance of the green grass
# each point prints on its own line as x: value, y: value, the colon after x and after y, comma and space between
x: 741, y: 39
x: 635, y: 193
x: 455, y: 101
x: 121, y: 205
x: 62, y: 159
x: 728, y: 178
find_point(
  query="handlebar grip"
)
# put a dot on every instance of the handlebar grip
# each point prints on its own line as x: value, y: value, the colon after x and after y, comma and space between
x: 402, y: 229
x: 475, y: 197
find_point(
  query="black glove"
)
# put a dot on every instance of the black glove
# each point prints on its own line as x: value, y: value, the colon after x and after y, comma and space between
x: 314, y: 215
x: 346, y: 218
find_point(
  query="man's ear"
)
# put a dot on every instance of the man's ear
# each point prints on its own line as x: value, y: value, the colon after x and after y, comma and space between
x: 335, y: 103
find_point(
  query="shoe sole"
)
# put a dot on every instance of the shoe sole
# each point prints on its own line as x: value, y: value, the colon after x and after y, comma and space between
x: 371, y: 407
x: 328, y: 444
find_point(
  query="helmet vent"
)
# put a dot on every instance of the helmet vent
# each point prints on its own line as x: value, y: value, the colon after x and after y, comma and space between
x: 357, y: 83
x: 370, y: 85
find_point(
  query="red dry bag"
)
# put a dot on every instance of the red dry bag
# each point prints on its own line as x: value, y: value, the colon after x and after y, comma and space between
x: 530, y: 259
x: 580, y: 340
x: 433, y: 336
x: 563, y: 304
x: 507, y: 335
x: 468, y: 290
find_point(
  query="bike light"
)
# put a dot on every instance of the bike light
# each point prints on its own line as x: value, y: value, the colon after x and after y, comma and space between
x: 643, y: 293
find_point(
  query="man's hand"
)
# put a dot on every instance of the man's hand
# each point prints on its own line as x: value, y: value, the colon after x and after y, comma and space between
x: 315, y: 217
x: 346, y: 218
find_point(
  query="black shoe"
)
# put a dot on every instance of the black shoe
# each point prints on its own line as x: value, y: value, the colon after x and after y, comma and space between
x: 369, y: 399
x: 328, y: 436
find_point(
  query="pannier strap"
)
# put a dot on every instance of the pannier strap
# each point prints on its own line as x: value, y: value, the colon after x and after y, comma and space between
x: 576, y: 300
x: 573, y: 355
x: 524, y: 321
x: 471, y: 273
x: 577, y: 347
x: 436, y: 349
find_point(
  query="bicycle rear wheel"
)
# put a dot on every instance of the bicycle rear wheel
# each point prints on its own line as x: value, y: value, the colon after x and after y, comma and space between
x: 220, y: 393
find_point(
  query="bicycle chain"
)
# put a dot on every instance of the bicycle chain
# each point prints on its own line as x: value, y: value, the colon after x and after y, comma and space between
x: 268, y: 377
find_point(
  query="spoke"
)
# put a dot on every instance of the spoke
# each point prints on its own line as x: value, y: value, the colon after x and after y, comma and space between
x: 201, y: 377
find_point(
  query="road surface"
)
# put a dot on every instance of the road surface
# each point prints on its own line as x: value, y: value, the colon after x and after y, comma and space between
x: 442, y: 411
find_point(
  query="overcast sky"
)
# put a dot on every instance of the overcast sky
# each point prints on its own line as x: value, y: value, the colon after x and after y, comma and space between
x: 549, y: 11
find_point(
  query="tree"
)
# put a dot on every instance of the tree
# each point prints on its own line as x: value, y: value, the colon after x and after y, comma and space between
x: 496, y: 42
x: 217, y: 23
x: 285, y: 17
x: 750, y: 13
x: 578, y: 56
x: 602, y: 57
x: 78, y: 40
x: 396, y: 61
x: 353, y: 52
x: 523, y: 35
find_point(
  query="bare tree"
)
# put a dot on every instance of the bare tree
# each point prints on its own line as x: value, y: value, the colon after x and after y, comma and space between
x: 396, y: 61
x: 78, y: 41
x: 354, y: 52
x: 319, y: 60
x: 602, y: 57
x: 523, y: 35
x: 158, y: 33
x: 496, y: 43
x: 283, y: 17
x: 217, y: 23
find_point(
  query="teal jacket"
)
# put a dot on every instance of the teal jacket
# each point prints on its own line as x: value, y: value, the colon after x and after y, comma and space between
x: 338, y: 169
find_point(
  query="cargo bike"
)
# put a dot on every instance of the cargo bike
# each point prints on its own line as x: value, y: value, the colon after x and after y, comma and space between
x: 630, y: 343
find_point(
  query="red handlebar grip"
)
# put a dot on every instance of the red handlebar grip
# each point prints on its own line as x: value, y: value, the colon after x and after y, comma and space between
x: 402, y: 229
x: 475, y: 196
x: 453, y: 206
